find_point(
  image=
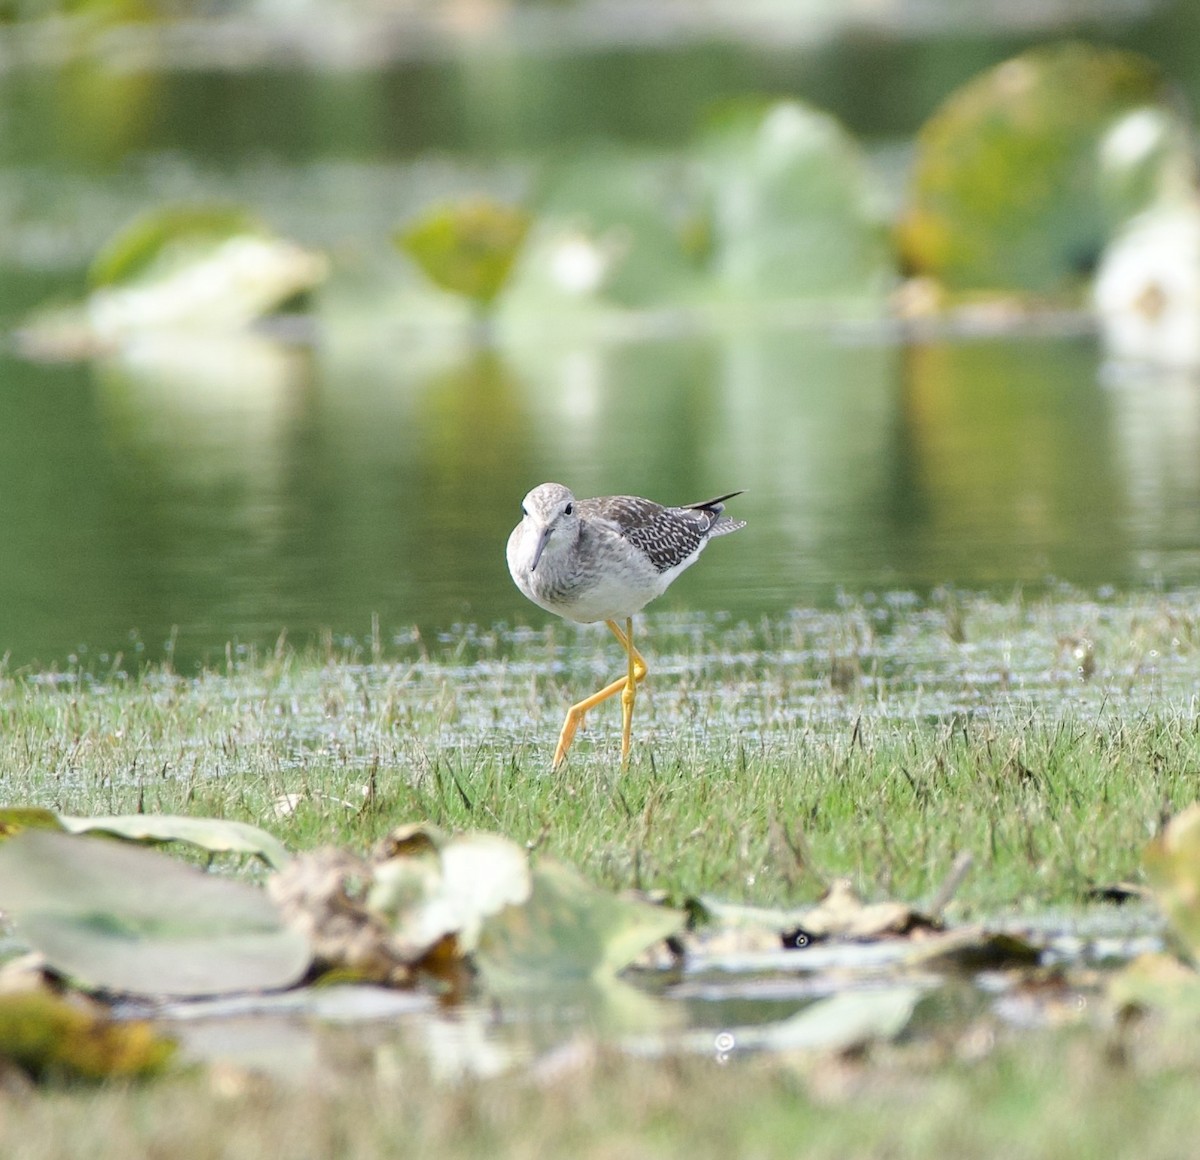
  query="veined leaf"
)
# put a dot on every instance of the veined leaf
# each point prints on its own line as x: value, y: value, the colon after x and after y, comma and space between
x: 133, y: 920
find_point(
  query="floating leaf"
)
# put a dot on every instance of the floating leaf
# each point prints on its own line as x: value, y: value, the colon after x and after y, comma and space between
x: 842, y: 1022
x: 468, y: 247
x: 50, y: 1037
x: 320, y: 894
x: 1024, y: 173
x: 133, y: 920
x: 417, y: 904
x: 611, y: 232
x: 568, y: 930
x: 197, y: 269
x: 794, y: 208
x: 847, y: 1020
x: 216, y: 835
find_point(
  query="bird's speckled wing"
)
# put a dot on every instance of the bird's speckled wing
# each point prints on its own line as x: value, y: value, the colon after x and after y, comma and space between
x: 667, y: 536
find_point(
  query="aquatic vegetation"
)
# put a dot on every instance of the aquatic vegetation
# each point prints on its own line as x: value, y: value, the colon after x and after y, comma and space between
x: 965, y: 764
x: 176, y: 272
x: 1025, y: 173
x: 468, y: 248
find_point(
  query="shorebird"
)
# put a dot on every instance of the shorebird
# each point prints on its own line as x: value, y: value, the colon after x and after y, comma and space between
x: 589, y: 560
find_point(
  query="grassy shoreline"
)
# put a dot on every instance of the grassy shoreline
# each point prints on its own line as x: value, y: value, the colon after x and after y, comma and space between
x: 1050, y: 740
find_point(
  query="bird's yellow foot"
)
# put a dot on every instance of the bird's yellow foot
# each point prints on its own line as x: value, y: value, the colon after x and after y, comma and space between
x: 626, y: 686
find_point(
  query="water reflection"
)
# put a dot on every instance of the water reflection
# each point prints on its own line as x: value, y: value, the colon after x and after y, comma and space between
x: 1006, y: 459
x: 239, y: 491
x: 1157, y: 418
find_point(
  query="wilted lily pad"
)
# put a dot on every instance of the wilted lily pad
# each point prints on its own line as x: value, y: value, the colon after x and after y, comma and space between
x: 133, y: 920
x: 416, y: 904
x: 1025, y: 172
x: 568, y: 930
x: 839, y: 914
x: 320, y: 894
x: 471, y: 877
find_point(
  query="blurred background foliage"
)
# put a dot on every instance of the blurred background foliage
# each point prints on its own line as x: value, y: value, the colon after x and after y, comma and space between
x: 839, y: 254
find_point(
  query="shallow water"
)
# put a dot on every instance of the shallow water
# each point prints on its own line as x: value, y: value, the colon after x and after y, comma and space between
x: 725, y: 1006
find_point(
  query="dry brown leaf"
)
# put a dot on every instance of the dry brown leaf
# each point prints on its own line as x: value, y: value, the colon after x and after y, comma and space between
x: 842, y: 914
x: 319, y: 895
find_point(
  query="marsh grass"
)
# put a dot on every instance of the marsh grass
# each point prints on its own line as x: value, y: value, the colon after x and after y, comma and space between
x: 1048, y: 739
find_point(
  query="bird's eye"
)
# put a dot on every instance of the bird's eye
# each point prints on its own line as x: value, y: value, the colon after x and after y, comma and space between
x: 569, y: 508
x: 524, y: 510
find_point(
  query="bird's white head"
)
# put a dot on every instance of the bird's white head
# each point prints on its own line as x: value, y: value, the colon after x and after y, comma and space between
x: 549, y: 510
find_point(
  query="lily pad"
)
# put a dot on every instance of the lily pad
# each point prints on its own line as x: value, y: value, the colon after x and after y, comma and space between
x: 568, y: 930
x: 320, y: 894
x: 611, y: 234
x: 133, y: 920
x: 840, y: 914
x: 468, y: 248
x: 157, y: 238
x: 1024, y: 173
x: 216, y: 835
x: 845, y: 1021
x: 795, y: 211
x: 173, y: 271
x: 416, y: 905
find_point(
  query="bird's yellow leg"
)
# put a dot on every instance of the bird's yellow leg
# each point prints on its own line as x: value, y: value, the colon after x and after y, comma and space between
x: 637, y: 672
x: 626, y: 686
